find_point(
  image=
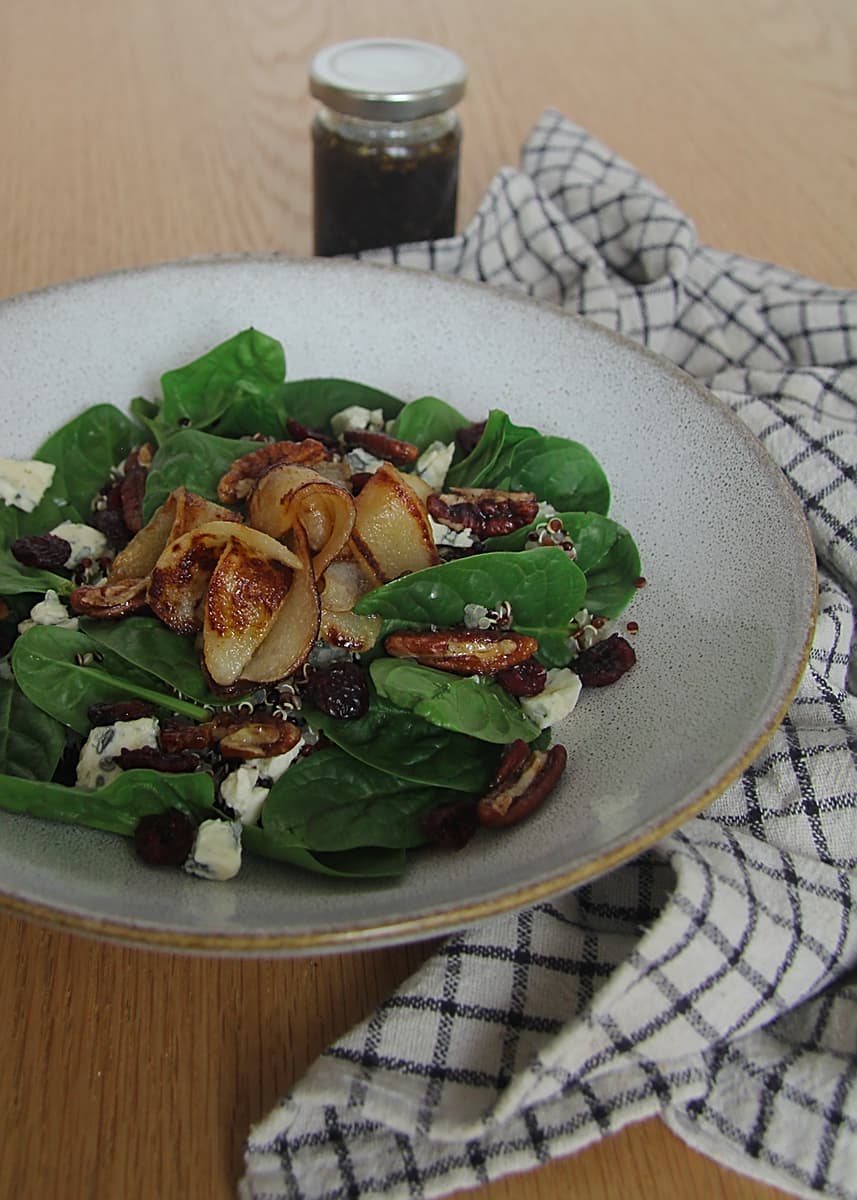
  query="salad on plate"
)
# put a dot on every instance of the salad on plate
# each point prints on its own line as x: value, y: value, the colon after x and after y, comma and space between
x: 299, y: 619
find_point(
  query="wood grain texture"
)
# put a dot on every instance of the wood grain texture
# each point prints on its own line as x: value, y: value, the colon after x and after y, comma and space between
x: 136, y: 133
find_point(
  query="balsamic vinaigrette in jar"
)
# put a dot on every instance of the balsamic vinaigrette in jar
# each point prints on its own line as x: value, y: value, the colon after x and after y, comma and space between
x: 385, y: 145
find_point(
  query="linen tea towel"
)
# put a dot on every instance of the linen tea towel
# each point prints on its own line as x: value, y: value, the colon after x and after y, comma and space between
x: 713, y: 980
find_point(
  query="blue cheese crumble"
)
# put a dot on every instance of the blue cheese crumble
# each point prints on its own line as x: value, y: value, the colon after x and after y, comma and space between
x: 434, y: 463
x: 245, y: 789
x: 559, y: 697
x: 357, y: 417
x: 24, y: 483
x: 95, y: 766
x: 50, y: 611
x: 216, y: 852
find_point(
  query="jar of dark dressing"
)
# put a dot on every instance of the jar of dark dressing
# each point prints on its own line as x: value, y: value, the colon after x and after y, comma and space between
x: 385, y: 143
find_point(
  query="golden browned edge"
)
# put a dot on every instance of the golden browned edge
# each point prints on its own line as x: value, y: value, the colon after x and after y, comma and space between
x: 444, y: 920
x: 433, y: 922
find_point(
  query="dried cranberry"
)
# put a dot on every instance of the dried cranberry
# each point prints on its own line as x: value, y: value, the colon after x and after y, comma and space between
x: 469, y: 436
x: 153, y: 759
x: 340, y: 691
x: 451, y: 826
x: 107, y: 516
x: 164, y: 839
x: 44, y: 550
x: 526, y: 679
x: 300, y: 433
x: 605, y: 662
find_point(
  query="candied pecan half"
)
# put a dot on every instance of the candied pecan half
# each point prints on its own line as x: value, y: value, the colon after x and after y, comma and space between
x: 524, y: 779
x: 132, y: 486
x: 487, y: 512
x: 463, y: 651
x: 258, y: 735
x: 109, y: 601
x: 382, y: 445
x: 238, y: 481
x: 107, y: 713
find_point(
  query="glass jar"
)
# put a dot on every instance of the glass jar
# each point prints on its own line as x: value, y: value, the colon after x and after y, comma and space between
x: 385, y: 144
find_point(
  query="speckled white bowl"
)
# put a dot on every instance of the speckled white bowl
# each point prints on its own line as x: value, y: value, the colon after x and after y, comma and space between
x: 725, y: 620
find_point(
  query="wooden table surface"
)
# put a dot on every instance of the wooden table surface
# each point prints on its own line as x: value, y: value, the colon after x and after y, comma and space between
x: 136, y: 133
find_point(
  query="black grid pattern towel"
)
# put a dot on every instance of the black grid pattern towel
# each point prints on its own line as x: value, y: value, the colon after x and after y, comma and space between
x: 712, y: 981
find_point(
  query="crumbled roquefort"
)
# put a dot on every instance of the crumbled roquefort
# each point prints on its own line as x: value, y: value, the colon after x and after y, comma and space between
x: 444, y: 536
x: 216, y: 852
x: 96, y: 767
x: 359, y: 459
x: 245, y: 789
x: 556, y: 701
x: 357, y: 417
x: 434, y: 462
x: 24, y: 483
x: 50, y: 611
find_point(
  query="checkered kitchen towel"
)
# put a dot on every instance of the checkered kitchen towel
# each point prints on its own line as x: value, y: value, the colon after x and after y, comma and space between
x: 714, y: 980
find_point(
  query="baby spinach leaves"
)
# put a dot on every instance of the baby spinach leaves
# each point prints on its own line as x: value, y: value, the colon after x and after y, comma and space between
x: 192, y: 459
x: 31, y: 741
x: 519, y: 459
x: 544, y: 588
x: 63, y: 672
x: 328, y: 801
x: 606, y: 553
x: 146, y: 644
x: 404, y: 744
x: 118, y: 806
x: 312, y: 402
x: 428, y: 420
x: 84, y: 451
x: 240, y: 371
x: 476, y: 706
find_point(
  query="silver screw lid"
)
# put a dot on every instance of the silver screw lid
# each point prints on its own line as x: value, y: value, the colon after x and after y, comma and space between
x: 388, y: 79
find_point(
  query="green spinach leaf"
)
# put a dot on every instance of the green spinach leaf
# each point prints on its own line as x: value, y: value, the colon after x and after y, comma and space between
x: 401, y: 743
x: 331, y: 801
x: 544, y: 588
x: 312, y: 402
x: 147, y: 645
x: 117, y: 807
x: 242, y: 369
x: 606, y: 553
x: 478, y: 707
x: 428, y: 420
x: 84, y: 451
x: 194, y: 460
x: 31, y: 741
x: 366, y: 862
x: 47, y: 662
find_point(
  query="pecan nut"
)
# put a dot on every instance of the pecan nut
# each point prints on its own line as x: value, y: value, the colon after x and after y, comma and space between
x: 487, y: 512
x: 237, y: 483
x: 463, y: 651
x: 257, y: 735
x: 524, y: 779
x: 383, y: 445
x: 132, y: 486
